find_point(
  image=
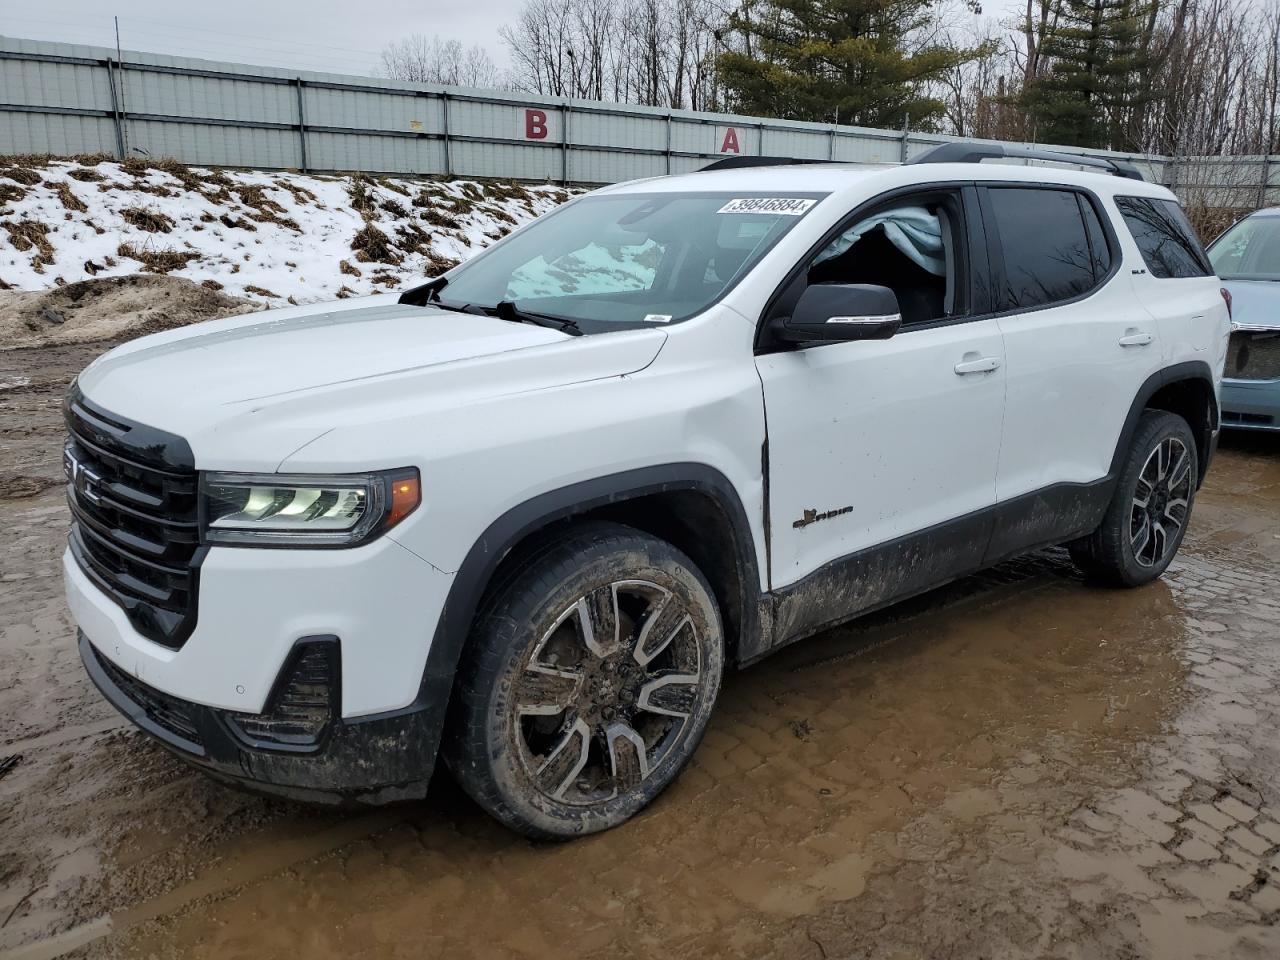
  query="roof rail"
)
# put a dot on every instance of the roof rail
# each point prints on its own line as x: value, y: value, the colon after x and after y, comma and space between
x: 977, y: 152
x: 732, y: 163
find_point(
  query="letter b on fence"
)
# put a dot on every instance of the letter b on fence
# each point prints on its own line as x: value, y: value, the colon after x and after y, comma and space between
x: 535, y: 124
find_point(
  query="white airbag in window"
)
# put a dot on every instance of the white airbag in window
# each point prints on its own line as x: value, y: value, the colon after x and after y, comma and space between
x: 915, y: 231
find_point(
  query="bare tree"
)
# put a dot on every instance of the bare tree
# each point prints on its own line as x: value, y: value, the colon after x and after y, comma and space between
x: 423, y: 59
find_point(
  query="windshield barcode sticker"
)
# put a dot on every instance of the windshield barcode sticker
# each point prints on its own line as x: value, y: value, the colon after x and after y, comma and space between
x: 781, y: 206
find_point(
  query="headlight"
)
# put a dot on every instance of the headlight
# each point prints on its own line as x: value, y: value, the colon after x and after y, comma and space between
x: 305, y: 510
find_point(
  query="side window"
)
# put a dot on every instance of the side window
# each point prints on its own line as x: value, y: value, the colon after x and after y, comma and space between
x: 1047, y: 254
x: 1168, y: 244
x: 1097, y: 239
x: 914, y: 246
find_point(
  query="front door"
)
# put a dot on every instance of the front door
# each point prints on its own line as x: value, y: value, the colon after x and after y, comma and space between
x: 887, y: 449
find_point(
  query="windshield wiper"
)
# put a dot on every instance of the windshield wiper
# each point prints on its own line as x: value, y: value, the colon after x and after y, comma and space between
x: 507, y: 310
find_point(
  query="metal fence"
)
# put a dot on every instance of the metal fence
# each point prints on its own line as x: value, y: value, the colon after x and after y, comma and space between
x: 69, y: 99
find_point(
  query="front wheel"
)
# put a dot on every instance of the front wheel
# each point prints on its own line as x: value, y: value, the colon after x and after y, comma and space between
x: 1151, y: 506
x: 591, y: 674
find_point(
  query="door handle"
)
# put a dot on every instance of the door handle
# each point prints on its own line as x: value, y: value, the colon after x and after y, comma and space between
x: 978, y: 365
x: 1133, y: 337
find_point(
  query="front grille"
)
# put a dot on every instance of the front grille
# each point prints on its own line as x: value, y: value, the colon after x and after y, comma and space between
x: 133, y: 496
x: 1254, y: 355
x: 174, y: 715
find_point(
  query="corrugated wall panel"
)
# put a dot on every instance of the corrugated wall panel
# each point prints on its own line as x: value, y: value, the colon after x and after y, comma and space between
x: 374, y: 154
x: 59, y: 135
x: 327, y: 107
x: 175, y: 95
x: 218, y: 145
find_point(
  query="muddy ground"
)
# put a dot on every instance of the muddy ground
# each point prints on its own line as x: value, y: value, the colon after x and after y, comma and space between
x: 1020, y: 765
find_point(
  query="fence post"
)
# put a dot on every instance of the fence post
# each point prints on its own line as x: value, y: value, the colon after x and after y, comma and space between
x: 444, y: 128
x: 1266, y: 180
x: 906, y: 133
x: 668, y: 143
x: 302, y: 125
x: 760, y: 151
x: 564, y: 146
x: 115, y: 108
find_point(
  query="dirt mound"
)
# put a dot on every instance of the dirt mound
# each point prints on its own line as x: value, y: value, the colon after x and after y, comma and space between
x: 107, y: 308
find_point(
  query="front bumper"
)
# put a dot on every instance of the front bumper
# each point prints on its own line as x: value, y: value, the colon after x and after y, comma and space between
x: 1251, y: 404
x: 375, y: 759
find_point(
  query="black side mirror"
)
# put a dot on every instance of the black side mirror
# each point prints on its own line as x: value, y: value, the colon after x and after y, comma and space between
x: 838, y: 312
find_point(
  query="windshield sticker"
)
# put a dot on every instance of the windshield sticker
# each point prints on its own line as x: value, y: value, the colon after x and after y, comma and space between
x: 781, y: 206
x: 657, y: 318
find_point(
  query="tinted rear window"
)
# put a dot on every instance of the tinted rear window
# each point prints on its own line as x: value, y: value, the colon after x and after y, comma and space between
x: 1168, y: 244
x: 1047, y: 255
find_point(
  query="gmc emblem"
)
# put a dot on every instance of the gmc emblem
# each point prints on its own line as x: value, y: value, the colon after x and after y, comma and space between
x: 82, y: 479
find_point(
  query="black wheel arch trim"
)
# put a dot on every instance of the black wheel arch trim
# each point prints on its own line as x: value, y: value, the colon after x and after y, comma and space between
x: 524, y: 520
x: 1175, y: 373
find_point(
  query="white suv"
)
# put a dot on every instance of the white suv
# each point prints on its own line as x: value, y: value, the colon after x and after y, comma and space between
x: 529, y: 512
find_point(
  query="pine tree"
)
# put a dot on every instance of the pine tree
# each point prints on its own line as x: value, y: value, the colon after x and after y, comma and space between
x: 828, y: 59
x: 1098, y: 78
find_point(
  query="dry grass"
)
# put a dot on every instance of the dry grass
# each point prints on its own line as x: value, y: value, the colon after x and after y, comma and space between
x: 347, y: 267
x: 363, y: 201
x: 261, y: 291
x: 31, y: 235
x: 157, y: 261
x: 23, y: 175
x: 235, y: 223
x: 395, y: 208
x: 411, y: 238
x: 438, y: 218
x: 85, y: 175
x: 371, y: 245
x: 69, y: 200
x: 211, y: 284
x: 152, y: 221
x: 344, y: 292
x: 300, y: 194
x: 497, y: 213
x: 439, y: 264
x: 508, y: 191
x: 10, y: 192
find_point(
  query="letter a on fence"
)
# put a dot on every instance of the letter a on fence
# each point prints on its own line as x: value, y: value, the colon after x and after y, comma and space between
x: 729, y: 143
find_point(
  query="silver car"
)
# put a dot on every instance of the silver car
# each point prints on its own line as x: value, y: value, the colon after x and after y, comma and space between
x: 1247, y: 259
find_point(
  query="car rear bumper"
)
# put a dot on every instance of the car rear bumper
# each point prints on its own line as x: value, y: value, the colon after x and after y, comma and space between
x: 1251, y: 404
x: 369, y: 760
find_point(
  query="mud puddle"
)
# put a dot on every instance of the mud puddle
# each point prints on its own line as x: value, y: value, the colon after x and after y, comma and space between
x: 1019, y: 766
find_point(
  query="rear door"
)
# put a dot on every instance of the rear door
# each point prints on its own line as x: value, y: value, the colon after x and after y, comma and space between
x: 1078, y: 348
x: 1175, y: 281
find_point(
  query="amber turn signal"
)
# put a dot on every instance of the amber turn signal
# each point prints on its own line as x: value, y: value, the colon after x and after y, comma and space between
x: 406, y: 494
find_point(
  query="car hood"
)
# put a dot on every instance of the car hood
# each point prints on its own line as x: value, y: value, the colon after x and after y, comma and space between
x: 1255, y: 302
x: 282, y: 374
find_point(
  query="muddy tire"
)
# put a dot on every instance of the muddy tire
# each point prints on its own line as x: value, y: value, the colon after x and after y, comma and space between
x: 1150, y: 509
x: 590, y: 675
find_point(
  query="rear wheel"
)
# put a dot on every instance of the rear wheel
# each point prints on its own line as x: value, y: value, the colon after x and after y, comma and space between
x: 593, y: 671
x: 1151, y: 507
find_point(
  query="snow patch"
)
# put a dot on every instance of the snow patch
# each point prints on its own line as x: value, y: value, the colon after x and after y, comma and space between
x: 270, y: 237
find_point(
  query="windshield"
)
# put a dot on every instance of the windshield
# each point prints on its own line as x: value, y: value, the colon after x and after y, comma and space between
x: 631, y: 258
x: 1248, y: 251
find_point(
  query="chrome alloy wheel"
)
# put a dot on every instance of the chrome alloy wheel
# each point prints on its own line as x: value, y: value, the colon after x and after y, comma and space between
x: 1161, y: 500
x: 607, y: 692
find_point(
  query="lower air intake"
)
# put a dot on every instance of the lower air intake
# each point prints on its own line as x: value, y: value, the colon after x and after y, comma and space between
x: 302, y: 707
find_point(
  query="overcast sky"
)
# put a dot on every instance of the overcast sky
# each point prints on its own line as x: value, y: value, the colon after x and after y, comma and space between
x: 343, y: 36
